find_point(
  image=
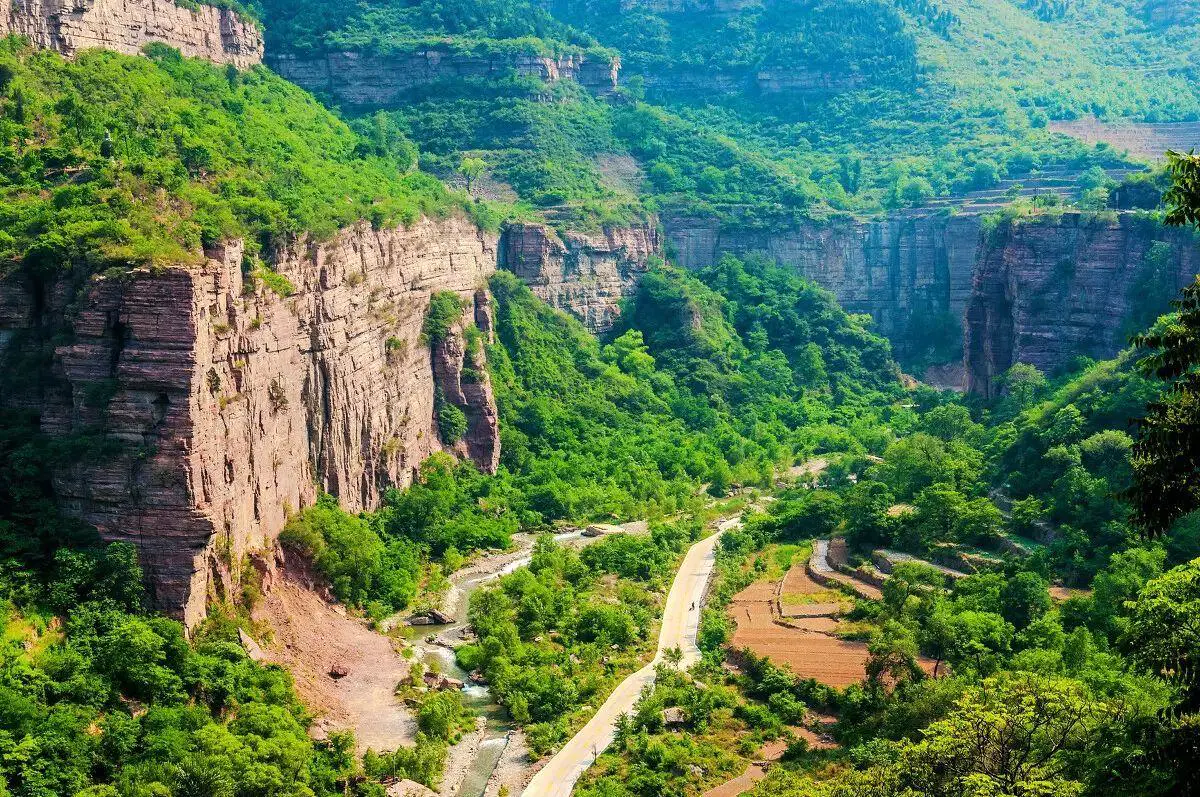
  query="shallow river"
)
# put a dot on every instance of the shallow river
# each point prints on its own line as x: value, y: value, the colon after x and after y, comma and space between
x: 477, y: 698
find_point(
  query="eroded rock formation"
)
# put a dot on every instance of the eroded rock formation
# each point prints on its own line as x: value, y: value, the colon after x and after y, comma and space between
x: 363, y: 79
x: 897, y: 269
x: 1039, y: 292
x: 585, y: 275
x: 68, y: 26
x: 205, y: 405
x: 1047, y: 291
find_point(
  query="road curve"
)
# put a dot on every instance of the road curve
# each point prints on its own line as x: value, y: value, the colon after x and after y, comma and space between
x: 681, y: 622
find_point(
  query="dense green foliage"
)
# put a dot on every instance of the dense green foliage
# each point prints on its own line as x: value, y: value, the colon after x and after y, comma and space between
x: 111, y: 160
x: 767, y: 111
x: 100, y: 698
x: 559, y: 635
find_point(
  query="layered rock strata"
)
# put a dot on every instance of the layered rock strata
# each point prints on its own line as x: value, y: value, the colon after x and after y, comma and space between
x: 585, y: 275
x: 1040, y: 292
x: 364, y: 79
x: 126, y: 26
x: 1046, y: 292
x: 896, y: 269
x: 206, y: 406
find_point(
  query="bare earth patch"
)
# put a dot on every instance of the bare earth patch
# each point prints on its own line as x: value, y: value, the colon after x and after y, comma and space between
x: 805, y: 644
x: 316, y: 642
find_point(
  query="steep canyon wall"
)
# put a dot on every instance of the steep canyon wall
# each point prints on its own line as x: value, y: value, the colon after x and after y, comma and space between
x: 1037, y: 291
x: 206, y: 406
x: 1044, y: 293
x: 583, y: 274
x: 126, y: 26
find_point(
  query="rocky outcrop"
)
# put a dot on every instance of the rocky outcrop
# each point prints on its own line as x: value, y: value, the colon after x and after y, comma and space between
x: 460, y: 373
x: 126, y: 26
x: 204, y: 406
x: 900, y: 270
x: 363, y: 79
x: 1047, y: 291
x: 1039, y: 292
x: 585, y: 275
x: 806, y: 82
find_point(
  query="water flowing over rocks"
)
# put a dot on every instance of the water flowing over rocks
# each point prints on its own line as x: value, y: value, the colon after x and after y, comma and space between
x: 126, y: 26
x: 206, y: 406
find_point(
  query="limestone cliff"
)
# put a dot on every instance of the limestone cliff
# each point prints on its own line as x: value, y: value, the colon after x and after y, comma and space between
x: 363, y: 79
x: 1039, y: 292
x: 68, y: 26
x: 215, y: 405
x: 585, y: 275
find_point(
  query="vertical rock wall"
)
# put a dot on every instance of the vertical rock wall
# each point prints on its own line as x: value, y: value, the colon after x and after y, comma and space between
x: 1035, y: 291
x: 126, y: 26
x: 585, y: 275
x: 211, y: 406
x: 893, y: 268
x: 1046, y: 291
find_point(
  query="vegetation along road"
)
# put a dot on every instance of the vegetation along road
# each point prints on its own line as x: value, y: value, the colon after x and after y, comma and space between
x: 681, y: 620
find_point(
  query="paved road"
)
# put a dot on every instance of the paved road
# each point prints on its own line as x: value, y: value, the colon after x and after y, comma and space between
x: 681, y: 620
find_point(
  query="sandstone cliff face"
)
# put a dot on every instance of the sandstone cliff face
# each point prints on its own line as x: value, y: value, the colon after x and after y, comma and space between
x: 581, y: 274
x: 1044, y: 292
x: 363, y: 79
x: 224, y: 406
x: 893, y: 269
x: 460, y: 372
x: 127, y: 26
x: 1039, y: 293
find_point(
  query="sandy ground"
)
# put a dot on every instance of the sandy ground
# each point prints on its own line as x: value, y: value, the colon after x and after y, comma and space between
x: 681, y: 620
x: 808, y: 652
x: 800, y: 596
x: 812, y: 468
x: 1066, y: 593
x: 311, y: 636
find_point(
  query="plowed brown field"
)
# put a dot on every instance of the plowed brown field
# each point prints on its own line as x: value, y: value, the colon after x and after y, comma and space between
x: 807, y: 653
x: 804, y: 642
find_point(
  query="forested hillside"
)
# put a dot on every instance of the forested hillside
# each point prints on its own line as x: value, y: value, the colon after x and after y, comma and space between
x: 766, y: 111
x: 916, y: 592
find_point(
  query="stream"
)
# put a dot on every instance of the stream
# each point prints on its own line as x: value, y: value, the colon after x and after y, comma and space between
x: 477, y: 698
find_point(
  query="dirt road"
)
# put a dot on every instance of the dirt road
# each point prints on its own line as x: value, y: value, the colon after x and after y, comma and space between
x: 681, y: 620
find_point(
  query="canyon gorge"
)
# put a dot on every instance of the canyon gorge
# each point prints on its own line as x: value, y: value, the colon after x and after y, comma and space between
x: 216, y: 405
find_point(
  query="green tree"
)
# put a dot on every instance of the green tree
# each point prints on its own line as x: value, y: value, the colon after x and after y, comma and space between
x: 1024, y: 599
x: 472, y: 169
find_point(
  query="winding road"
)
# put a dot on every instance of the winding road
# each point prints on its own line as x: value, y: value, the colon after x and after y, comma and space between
x: 681, y: 622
